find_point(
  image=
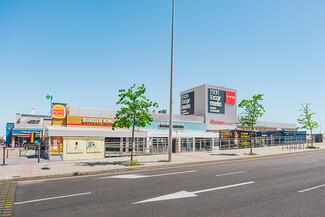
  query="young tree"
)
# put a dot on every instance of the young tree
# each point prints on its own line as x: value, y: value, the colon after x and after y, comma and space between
x: 253, y: 110
x: 134, y: 112
x: 305, y: 120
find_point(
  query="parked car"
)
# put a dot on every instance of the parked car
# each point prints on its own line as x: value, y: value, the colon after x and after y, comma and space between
x: 2, y: 143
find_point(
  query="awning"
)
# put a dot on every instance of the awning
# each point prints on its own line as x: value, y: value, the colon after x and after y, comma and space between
x: 90, y: 132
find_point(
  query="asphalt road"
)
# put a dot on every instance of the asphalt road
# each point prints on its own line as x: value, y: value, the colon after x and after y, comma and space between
x: 281, y: 186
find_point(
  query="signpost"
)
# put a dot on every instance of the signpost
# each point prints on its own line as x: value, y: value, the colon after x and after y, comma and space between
x: 51, y: 98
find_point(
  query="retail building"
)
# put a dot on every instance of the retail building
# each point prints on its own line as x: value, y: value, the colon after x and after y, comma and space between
x: 76, y: 133
x: 86, y: 133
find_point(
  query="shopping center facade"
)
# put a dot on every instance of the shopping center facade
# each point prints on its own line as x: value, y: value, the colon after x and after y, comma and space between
x: 77, y: 133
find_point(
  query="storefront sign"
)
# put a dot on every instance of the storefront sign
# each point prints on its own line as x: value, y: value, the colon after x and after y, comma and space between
x: 230, y: 97
x: 59, y: 111
x: 175, y: 126
x: 221, y: 122
x: 90, y: 121
x: 187, y: 103
x: 216, y: 101
x: 56, y: 144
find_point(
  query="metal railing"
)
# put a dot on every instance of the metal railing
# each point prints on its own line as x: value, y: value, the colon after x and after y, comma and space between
x: 289, y: 142
x: 157, y: 146
x: 160, y: 145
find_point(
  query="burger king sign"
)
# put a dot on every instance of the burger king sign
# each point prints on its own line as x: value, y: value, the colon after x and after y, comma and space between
x: 59, y: 111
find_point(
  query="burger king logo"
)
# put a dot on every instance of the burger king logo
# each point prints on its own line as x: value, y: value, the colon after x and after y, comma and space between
x: 59, y: 111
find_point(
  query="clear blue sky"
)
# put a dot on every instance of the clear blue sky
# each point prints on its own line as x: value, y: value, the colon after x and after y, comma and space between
x: 82, y: 52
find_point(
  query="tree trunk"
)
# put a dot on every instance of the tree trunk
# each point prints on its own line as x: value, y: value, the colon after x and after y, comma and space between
x: 251, y: 145
x: 311, y: 132
x: 132, y: 143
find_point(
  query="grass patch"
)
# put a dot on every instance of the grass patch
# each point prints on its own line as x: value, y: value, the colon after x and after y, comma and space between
x: 132, y: 163
x: 312, y: 147
x: 250, y: 154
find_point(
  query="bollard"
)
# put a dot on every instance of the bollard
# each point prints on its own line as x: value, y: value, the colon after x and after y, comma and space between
x: 39, y: 153
x: 4, y: 155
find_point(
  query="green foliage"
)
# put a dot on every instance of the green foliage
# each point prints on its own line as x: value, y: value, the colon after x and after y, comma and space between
x: 135, y: 110
x: 132, y: 163
x: 253, y: 109
x: 250, y: 154
x: 305, y: 119
x: 312, y: 147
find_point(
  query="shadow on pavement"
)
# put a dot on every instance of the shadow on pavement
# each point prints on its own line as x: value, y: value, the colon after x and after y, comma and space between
x: 98, y: 163
x: 32, y: 156
x: 226, y: 154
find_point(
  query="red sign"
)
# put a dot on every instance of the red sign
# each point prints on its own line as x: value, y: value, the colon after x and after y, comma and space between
x: 230, y: 97
x: 221, y: 122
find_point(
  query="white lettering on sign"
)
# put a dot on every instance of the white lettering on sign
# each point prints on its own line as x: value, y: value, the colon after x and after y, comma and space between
x: 217, y: 98
x: 215, y: 92
x: 108, y: 121
x: 185, y: 96
x: 92, y: 120
x: 213, y: 103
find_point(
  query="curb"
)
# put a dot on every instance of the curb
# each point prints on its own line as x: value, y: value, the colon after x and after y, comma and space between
x: 139, y: 168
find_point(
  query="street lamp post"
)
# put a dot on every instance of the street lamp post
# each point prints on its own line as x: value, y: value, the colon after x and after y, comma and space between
x: 170, y: 136
x: 50, y: 97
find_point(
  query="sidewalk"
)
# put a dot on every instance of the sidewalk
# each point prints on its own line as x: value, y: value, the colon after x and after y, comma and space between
x: 27, y: 168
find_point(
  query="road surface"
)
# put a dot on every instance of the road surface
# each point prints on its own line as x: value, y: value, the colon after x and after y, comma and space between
x: 291, y: 185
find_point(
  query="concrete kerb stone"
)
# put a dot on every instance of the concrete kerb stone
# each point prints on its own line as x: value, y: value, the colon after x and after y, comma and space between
x: 139, y: 168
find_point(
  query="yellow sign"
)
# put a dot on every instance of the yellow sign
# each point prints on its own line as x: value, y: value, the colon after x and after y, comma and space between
x: 90, y: 121
x: 56, y: 144
x: 244, y: 135
x: 59, y: 111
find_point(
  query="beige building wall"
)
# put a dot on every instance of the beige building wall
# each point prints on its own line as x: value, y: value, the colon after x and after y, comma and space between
x: 83, y: 148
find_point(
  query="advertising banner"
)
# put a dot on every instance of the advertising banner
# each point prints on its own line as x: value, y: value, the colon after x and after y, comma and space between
x: 230, y: 97
x: 216, y: 101
x: 187, y: 103
x: 56, y: 144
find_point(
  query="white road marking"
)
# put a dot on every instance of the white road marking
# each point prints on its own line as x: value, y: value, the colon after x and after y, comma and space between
x: 186, y: 166
x: 137, y: 176
x: 185, y: 194
x: 126, y: 176
x: 167, y: 174
x: 309, y: 189
x: 52, y: 198
x: 226, y: 174
x: 308, y: 162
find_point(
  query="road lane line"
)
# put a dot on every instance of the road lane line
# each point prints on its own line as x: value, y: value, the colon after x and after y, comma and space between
x: 226, y: 174
x: 185, y: 166
x: 222, y: 187
x: 138, y: 176
x: 309, y: 189
x: 308, y: 162
x: 52, y: 198
x: 167, y: 174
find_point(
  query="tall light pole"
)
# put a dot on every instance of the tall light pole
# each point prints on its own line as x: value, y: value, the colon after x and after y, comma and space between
x: 50, y: 97
x: 170, y: 136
